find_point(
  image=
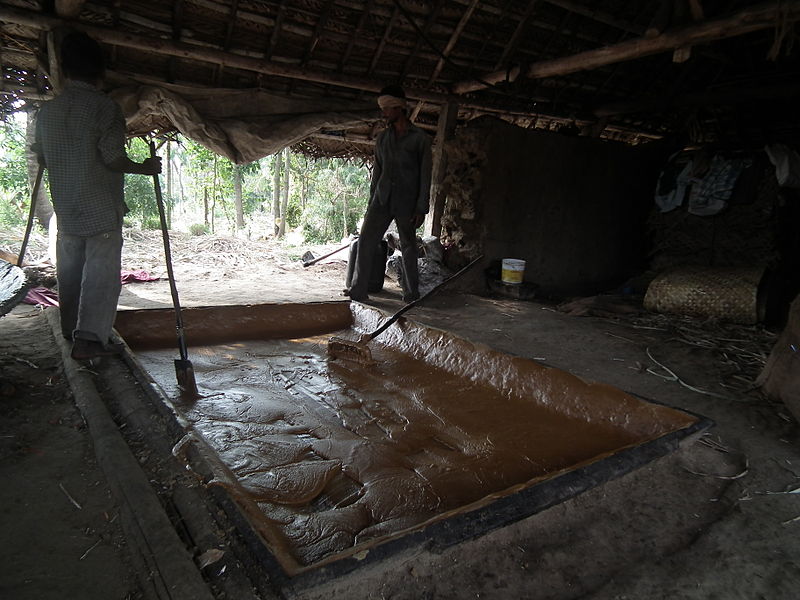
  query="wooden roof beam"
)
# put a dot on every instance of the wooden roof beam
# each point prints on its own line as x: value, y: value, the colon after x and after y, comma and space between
x: 231, y: 25
x: 320, y: 27
x: 356, y: 33
x: 432, y: 16
x: 512, y: 43
x: 452, y: 41
x: 751, y: 19
x: 384, y: 39
x: 277, y: 26
x: 177, y: 26
x: 167, y: 47
x: 597, y: 15
x: 446, y: 52
x: 229, y: 28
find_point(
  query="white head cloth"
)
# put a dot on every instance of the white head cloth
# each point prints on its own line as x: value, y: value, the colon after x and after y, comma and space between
x: 387, y: 101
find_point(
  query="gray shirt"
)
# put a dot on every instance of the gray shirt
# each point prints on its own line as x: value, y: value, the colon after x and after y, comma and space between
x: 80, y: 132
x: 401, y: 176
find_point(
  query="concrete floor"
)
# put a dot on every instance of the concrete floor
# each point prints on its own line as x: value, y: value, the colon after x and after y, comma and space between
x: 713, y: 520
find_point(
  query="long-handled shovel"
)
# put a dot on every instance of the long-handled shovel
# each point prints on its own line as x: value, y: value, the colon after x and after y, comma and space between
x: 31, y: 215
x: 358, y: 351
x: 184, y: 371
x: 308, y: 263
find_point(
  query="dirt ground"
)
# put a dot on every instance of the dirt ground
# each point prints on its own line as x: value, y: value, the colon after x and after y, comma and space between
x: 718, y: 519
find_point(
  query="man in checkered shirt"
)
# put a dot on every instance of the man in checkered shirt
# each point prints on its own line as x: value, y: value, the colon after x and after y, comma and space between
x: 80, y: 138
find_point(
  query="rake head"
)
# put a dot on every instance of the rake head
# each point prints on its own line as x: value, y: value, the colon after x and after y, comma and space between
x: 350, y: 350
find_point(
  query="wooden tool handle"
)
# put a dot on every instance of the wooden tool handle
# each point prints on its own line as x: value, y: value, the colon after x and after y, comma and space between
x: 427, y: 294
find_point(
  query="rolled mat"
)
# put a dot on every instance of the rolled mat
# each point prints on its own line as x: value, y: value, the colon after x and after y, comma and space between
x: 730, y: 293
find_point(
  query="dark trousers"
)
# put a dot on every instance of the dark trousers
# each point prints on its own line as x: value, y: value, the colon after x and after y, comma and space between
x: 376, y: 222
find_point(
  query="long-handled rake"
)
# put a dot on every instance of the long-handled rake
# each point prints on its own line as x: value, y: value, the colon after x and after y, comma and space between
x: 358, y: 351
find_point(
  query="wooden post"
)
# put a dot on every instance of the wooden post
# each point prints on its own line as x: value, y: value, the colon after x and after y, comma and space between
x: 444, y: 131
x: 53, y: 56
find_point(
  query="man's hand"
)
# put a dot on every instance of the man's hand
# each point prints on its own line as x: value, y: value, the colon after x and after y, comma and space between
x: 151, y: 166
x: 36, y: 148
x: 417, y: 220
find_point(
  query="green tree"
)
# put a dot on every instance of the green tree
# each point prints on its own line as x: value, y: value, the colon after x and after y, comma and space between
x: 337, y: 200
x: 43, y: 206
x: 202, y: 191
x: 14, y: 194
x: 139, y: 193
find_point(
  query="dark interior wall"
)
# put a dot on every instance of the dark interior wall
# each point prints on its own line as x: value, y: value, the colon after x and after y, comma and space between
x: 573, y: 208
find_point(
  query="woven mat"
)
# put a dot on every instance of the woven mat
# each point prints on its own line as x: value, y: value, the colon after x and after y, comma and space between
x: 730, y: 293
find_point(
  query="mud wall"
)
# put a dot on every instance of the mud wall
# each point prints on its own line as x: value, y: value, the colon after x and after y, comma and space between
x: 573, y: 208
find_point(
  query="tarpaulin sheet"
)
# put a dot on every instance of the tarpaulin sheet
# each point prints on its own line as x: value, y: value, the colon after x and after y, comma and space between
x: 46, y: 297
x: 241, y: 125
x: 13, y: 285
x: 41, y: 296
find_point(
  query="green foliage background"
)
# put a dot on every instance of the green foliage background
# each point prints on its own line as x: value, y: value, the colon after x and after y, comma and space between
x: 14, y: 203
x: 327, y: 198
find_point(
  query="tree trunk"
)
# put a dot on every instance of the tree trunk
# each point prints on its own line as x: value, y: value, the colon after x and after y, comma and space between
x: 344, y: 215
x: 169, y: 201
x: 213, y: 212
x: 218, y: 195
x: 205, y: 206
x: 237, y: 196
x: 285, y: 203
x: 43, y: 209
x: 276, y: 191
x: 214, y: 197
x: 179, y: 177
x: 304, y: 190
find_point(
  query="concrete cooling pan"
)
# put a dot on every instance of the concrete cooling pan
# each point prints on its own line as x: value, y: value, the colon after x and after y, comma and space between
x: 333, y: 463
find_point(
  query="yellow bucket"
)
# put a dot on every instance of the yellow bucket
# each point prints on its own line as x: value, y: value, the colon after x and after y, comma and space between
x: 513, y: 270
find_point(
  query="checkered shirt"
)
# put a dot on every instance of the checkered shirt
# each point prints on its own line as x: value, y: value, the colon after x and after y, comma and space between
x: 79, y: 133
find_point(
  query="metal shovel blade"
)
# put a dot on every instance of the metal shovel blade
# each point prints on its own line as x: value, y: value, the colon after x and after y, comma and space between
x: 184, y: 373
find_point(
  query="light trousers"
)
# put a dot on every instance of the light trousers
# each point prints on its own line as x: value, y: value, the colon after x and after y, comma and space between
x: 88, y: 270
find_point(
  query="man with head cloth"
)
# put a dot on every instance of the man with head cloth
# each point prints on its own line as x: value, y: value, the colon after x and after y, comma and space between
x: 400, y: 191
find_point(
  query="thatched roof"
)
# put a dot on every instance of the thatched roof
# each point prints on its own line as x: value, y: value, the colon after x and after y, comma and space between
x: 712, y: 70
